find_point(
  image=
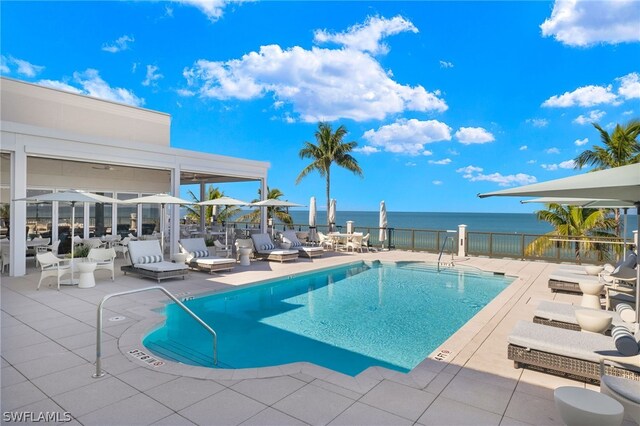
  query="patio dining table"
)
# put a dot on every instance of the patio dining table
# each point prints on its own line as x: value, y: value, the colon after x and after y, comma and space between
x: 339, y: 239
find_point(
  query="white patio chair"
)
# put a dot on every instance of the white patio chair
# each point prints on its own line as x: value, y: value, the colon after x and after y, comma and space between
x: 51, y: 267
x: 122, y: 247
x: 221, y: 249
x: 325, y: 241
x: 53, y: 248
x: 5, y: 257
x: 94, y: 243
x: 356, y: 242
x: 104, y: 258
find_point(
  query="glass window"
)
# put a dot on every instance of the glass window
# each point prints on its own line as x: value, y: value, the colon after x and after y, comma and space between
x: 38, y: 216
x: 101, y: 217
x: 150, y: 218
x: 127, y: 216
x: 64, y: 224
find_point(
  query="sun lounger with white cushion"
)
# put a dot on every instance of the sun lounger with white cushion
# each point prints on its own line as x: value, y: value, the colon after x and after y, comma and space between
x: 266, y: 249
x: 198, y: 256
x: 563, y: 315
x: 290, y: 237
x: 147, y: 261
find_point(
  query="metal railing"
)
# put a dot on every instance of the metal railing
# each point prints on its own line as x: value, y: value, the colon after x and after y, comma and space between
x: 444, y: 243
x: 99, y: 372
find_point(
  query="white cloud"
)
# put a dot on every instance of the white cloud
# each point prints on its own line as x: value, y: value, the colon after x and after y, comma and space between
x: 367, y: 37
x: 321, y: 84
x: 553, y: 150
x: 442, y: 162
x: 213, y: 9
x: 569, y: 164
x: 474, y: 174
x: 22, y: 67
x: 93, y: 85
x: 532, y: 162
x: 367, y: 149
x: 630, y: 112
x: 446, y: 64
x: 408, y: 136
x: 453, y: 152
x: 152, y: 76
x: 580, y: 142
x: 538, y: 122
x: 185, y: 93
x: 278, y: 104
x: 410, y: 164
x: 524, y: 148
x: 436, y: 182
x: 427, y: 153
x: 474, y: 135
x: 4, y: 67
x: 593, y: 116
x: 586, y: 96
x: 120, y: 44
x: 630, y: 85
x: 586, y: 22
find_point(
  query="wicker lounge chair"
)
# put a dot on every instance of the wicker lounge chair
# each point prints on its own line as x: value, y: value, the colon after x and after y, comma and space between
x: 566, y: 352
x: 198, y: 256
x: 290, y: 237
x: 265, y: 249
x: 563, y: 315
x: 147, y: 260
x: 567, y: 277
x: 625, y: 391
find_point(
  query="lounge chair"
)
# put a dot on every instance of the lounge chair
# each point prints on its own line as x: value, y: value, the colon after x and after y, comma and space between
x: 563, y: 315
x: 147, y: 260
x: 567, y: 277
x: 625, y: 391
x: 198, y: 256
x: 566, y: 352
x: 290, y: 237
x: 265, y: 249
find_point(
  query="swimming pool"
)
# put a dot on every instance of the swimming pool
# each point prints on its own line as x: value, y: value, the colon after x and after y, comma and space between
x: 347, y: 318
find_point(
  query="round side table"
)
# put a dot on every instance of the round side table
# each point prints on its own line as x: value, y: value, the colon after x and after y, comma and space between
x: 85, y: 274
x: 584, y: 407
x: 591, y: 294
x: 593, y: 321
x: 244, y: 256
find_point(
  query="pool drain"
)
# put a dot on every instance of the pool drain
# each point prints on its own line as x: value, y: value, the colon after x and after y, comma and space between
x: 118, y: 318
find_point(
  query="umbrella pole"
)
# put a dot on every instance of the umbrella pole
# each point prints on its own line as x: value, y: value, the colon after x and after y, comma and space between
x: 162, y: 229
x: 73, y: 236
x: 624, y: 235
x: 637, y: 204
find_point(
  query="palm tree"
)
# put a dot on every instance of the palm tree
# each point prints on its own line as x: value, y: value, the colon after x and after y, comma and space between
x: 222, y: 215
x: 621, y: 148
x: 280, y: 213
x: 572, y: 221
x: 328, y: 149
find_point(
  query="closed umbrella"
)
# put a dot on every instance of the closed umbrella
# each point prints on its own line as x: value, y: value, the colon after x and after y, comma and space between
x: 383, y: 223
x: 72, y: 196
x: 620, y: 183
x: 331, y: 215
x: 312, y: 219
x: 162, y: 200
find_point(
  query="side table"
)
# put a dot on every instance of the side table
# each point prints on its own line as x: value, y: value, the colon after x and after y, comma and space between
x: 244, y: 256
x: 85, y: 274
x: 593, y: 321
x: 584, y: 407
x: 591, y: 294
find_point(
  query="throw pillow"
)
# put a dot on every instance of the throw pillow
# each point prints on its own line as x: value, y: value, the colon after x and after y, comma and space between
x: 626, y: 312
x: 625, y: 342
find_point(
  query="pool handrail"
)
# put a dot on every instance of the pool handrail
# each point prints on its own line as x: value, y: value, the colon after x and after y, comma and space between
x: 99, y: 372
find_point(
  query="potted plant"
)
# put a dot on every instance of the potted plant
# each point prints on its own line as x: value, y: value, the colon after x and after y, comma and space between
x: 80, y: 252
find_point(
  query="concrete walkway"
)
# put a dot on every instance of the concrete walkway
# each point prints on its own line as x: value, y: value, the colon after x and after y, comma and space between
x: 48, y: 351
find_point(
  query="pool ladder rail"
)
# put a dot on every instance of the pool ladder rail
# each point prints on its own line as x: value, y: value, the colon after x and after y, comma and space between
x: 440, y: 262
x: 99, y: 372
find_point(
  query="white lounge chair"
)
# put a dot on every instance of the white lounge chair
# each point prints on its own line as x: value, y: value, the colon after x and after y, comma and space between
x: 625, y: 391
x: 104, y: 259
x: 290, y: 237
x: 199, y: 257
x: 266, y: 249
x: 147, y: 260
x: 563, y: 315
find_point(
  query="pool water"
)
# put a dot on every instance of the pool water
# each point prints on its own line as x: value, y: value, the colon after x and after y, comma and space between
x: 346, y: 319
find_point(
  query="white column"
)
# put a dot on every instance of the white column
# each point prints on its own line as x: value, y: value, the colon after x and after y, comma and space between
x: 18, y: 212
x: 174, y: 211
x: 263, y: 212
x: 635, y: 239
x: 462, y: 240
x: 203, y: 221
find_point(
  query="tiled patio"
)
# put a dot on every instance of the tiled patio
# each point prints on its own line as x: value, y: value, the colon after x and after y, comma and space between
x: 48, y: 350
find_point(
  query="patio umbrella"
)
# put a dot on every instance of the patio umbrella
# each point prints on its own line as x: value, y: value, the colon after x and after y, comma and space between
x: 162, y: 200
x: 71, y: 196
x: 312, y: 219
x: 273, y: 202
x: 620, y: 183
x: 383, y: 223
x: 223, y: 201
x: 331, y: 214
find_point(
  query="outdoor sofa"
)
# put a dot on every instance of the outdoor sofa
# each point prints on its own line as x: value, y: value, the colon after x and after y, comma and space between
x: 198, y: 256
x: 563, y: 315
x: 568, y: 353
x: 265, y: 249
x: 290, y: 237
x: 147, y: 261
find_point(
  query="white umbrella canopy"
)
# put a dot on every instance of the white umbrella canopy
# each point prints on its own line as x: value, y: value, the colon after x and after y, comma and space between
x: 331, y: 214
x: 162, y: 200
x: 272, y: 202
x: 312, y: 219
x: 223, y: 201
x: 582, y: 202
x: 72, y: 196
x: 620, y: 183
x: 383, y: 223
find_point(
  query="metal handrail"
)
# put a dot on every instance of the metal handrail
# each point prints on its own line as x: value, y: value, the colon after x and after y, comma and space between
x: 444, y: 243
x: 99, y: 372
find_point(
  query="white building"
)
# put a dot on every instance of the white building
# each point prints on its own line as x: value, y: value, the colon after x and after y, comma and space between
x: 53, y: 140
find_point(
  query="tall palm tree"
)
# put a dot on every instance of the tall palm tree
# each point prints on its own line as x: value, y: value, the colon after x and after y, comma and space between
x: 223, y: 213
x: 572, y: 221
x: 620, y: 148
x: 328, y: 149
x: 280, y: 213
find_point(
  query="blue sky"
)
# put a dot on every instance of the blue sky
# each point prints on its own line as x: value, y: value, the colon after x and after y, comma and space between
x: 445, y: 99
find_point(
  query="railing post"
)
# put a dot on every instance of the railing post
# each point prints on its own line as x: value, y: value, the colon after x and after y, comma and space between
x: 522, y: 246
x: 462, y: 237
x: 437, y: 240
x: 490, y: 244
x: 413, y: 240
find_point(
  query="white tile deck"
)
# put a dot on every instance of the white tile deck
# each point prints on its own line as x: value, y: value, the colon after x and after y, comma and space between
x: 48, y: 350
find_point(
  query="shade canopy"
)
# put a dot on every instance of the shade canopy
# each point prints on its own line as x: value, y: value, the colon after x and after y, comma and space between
x: 272, y: 202
x: 620, y: 183
x: 312, y: 219
x: 157, y: 199
x: 331, y: 214
x: 223, y: 201
x: 582, y: 202
x: 70, y: 196
x: 383, y: 222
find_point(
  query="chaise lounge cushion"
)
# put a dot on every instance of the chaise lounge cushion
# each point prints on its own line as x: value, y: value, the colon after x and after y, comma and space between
x: 308, y: 251
x: 147, y: 255
x: 574, y: 344
x: 630, y: 389
x: 198, y: 255
x: 572, y: 276
x: 260, y: 241
x: 566, y: 312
